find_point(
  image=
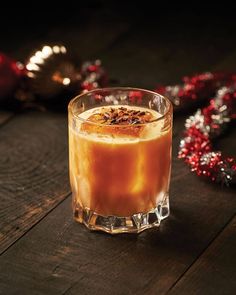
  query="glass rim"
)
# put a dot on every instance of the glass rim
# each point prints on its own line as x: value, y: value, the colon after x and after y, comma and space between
x: 77, y: 97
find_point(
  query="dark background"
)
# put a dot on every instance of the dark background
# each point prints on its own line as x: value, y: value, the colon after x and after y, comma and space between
x: 141, y: 35
x: 141, y: 44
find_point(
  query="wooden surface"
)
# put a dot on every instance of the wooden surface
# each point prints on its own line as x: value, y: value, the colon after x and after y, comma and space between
x: 44, y: 251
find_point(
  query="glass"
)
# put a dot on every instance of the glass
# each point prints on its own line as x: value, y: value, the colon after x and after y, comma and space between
x: 120, y: 158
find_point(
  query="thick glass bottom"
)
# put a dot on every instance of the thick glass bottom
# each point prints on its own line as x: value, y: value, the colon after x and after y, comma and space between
x: 115, y: 224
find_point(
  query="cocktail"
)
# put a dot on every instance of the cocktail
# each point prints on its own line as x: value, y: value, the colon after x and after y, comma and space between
x: 120, y: 158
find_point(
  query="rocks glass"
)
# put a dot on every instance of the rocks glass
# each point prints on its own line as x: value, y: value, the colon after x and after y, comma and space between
x: 120, y: 159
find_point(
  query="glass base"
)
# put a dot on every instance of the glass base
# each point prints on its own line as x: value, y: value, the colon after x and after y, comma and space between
x: 115, y: 224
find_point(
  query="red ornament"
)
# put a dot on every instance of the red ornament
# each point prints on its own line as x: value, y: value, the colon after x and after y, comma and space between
x: 10, y: 74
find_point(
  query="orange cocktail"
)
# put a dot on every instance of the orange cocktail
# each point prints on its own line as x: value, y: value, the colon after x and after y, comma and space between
x: 120, y: 159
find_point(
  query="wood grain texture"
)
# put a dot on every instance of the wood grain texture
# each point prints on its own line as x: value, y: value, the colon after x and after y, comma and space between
x: 33, y: 150
x: 33, y: 171
x: 54, y: 255
x: 214, y: 272
x: 5, y: 116
x: 162, y: 51
x: 59, y: 256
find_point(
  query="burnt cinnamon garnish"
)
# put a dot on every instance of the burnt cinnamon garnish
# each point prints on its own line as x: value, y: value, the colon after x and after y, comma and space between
x: 121, y: 116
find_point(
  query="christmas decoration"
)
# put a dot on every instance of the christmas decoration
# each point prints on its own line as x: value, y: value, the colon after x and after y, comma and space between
x: 49, y: 73
x: 195, y: 89
x: 208, y: 123
x: 11, y: 73
x: 53, y: 72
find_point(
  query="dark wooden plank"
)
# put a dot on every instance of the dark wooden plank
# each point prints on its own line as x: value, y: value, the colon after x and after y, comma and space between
x: 33, y: 171
x: 228, y: 63
x: 59, y: 256
x: 33, y: 156
x: 166, y: 50
x: 71, y: 260
x: 215, y: 272
x: 5, y: 116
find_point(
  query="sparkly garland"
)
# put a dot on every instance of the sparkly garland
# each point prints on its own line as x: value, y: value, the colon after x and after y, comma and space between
x: 207, y: 123
x: 195, y: 88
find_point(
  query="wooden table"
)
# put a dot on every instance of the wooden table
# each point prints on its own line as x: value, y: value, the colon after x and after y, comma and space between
x: 45, y: 252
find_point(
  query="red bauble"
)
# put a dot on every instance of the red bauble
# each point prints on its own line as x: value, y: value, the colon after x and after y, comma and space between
x: 10, y: 75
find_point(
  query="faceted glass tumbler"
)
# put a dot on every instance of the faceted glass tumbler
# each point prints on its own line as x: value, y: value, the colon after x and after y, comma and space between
x: 120, y: 143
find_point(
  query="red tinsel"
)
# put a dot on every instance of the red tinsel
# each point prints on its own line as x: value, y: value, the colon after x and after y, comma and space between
x: 198, y: 87
x: 196, y: 147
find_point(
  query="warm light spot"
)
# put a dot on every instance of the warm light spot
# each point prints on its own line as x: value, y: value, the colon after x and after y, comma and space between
x: 39, y: 54
x: 36, y: 60
x: 66, y: 81
x: 63, y: 49
x: 32, y: 67
x: 47, y: 51
x: 30, y: 75
x: 56, y: 49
